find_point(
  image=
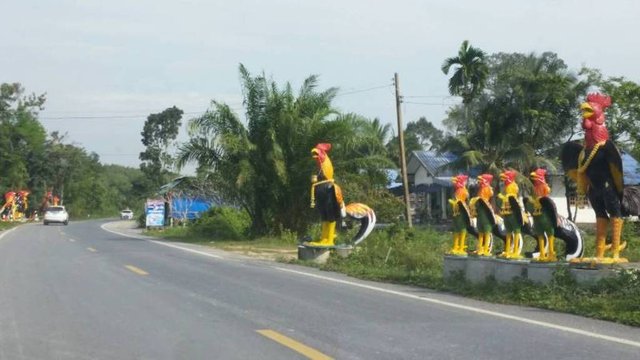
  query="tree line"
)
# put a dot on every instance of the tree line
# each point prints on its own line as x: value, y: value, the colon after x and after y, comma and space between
x: 32, y: 160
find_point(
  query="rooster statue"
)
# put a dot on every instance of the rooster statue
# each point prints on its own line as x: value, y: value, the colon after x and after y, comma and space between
x: 8, y: 209
x: 487, y: 222
x: 15, y: 205
x: 596, y: 167
x: 512, y: 212
x: 548, y: 224
x: 461, y: 215
x: 326, y: 196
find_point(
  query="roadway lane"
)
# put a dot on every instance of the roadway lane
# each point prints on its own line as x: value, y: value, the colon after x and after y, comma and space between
x: 79, y: 292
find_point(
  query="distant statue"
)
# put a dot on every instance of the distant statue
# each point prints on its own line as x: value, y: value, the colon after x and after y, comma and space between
x: 548, y: 224
x: 512, y: 213
x: 461, y: 215
x: 487, y: 222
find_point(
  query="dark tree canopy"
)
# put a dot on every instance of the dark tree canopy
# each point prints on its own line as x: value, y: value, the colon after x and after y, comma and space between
x: 159, y: 131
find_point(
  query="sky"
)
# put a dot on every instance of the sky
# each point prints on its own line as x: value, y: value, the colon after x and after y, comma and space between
x: 106, y: 65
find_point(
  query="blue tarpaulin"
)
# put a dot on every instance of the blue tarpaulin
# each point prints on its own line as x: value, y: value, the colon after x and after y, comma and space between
x: 631, y: 169
x: 189, y: 208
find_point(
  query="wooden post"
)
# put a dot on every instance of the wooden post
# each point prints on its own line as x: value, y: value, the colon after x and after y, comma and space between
x: 403, y: 161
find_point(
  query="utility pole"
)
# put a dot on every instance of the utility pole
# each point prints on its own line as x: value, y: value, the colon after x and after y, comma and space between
x: 403, y: 161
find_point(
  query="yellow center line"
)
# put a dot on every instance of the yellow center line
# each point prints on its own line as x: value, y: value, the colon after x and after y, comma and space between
x: 136, y: 270
x: 92, y: 249
x: 303, y: 349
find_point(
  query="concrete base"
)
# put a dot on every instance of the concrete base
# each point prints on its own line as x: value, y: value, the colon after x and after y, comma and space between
x: 315, y: 254
x: 478, y: 269
x: 542, y: 272
x: 589, y: 274
x: 453, y: 265
x: 507, y: 270
x: 344, y: 250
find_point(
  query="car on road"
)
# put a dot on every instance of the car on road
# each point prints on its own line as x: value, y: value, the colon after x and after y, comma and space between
x: 126, y: 214
x: 56, y: 214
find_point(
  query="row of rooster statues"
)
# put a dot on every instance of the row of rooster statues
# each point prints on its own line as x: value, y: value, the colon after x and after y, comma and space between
x: 16, y: 205
x: 595, y: 166
x: 534, y: 215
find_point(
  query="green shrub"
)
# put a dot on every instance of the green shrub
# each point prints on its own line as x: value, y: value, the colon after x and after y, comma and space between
x: 222, y: 223
x: 388, y: 208
x: 397, y: 254
x: 362, y: 189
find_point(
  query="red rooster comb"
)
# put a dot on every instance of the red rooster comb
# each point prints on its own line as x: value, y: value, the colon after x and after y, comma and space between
x: 600, y: 99
x: 320, y: 152
x: 324, y: 147
x: 459, y: 181
x: 508, y: 176
x: 538, y: 176
x: 485, y: 179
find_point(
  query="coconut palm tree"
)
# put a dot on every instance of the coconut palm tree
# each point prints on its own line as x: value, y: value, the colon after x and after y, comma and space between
x: 470, y: 74
x: 266, y: 165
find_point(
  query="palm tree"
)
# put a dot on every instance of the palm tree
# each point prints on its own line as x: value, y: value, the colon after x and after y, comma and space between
x: 470, y: 73
x: 265, y: 166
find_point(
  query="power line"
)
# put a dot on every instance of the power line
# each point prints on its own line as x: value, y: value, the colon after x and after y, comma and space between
x: 429, y: 104
x: 116, y: 117
x: 364, y: 90
x: 145, y: 115
x: 429, y: 96
x: 234, y: 104
x: 116, y: 154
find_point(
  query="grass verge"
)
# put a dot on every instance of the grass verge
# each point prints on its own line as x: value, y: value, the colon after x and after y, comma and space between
x: 6, y: 225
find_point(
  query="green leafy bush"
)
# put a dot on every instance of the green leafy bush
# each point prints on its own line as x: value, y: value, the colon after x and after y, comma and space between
x: 222, y: 223
x: 397, y: 254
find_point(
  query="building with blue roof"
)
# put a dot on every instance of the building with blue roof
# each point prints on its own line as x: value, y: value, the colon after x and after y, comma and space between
x: 429, y: 176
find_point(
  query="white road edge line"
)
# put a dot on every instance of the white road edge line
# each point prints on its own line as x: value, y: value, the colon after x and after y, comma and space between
x: 469, y: 308
x: 2, y: 234
x: 163, y: 243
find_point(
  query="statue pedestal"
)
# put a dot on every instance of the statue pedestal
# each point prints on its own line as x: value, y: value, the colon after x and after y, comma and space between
x: 542, y: 272
x: 453, y: 265
x: 318, y: 255
x: 478, y: 269
x: 585, y: 274
x: 508, y: 269
x: 344, y: 250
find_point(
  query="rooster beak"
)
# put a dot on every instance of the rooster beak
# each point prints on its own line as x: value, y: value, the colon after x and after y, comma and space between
x: 533, y: 176
x: 587, y: 110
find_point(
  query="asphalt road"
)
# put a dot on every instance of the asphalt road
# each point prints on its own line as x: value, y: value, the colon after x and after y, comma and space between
x: 81, y: 292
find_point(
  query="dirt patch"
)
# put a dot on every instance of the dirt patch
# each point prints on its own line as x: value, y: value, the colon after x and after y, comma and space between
x: 263, y: 253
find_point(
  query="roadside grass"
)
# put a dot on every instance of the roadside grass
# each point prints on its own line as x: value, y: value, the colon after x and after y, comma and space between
x: 282, y: 248
x: 5, y: 225
x: 415, y: 257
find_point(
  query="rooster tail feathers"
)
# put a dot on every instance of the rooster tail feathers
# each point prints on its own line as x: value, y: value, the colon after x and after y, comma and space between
x: 567, y: 231
x: 367, y: 218
x: 631, y: 201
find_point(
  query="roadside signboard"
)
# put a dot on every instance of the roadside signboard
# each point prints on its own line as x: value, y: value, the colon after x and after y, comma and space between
x: 155, y: 212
